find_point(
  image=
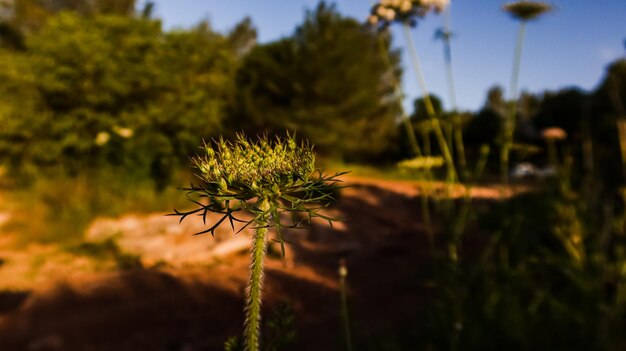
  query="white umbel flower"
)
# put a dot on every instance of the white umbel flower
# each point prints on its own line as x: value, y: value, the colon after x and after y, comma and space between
x: 437, y: 5
x: 390, y: 14
x: 102, y: 138
x: 123, y: 132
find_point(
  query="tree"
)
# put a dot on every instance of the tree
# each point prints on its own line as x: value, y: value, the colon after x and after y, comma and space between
x: 565, y: 109
x: 486, y: 126
x: 483, y: 128
x: 243, y: 37
x: 495, y: 100
x: 608, y: 124
x: 610, y: 97
x: 114, y: 91
x: 419, y: 107
x: 332, y: 81
x: 22, y: 17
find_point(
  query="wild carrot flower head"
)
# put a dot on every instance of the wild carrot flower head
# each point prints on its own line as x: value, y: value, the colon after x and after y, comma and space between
x: 386, y: 12
x: 254, y: 168
x: 263, y: 177
x: 435, y: 5
x: 526, y: 10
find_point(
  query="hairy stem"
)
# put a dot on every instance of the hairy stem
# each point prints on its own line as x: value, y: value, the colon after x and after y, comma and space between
x: 255, y: 284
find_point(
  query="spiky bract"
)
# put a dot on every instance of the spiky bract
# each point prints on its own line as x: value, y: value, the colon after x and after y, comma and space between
x: 240, y: 175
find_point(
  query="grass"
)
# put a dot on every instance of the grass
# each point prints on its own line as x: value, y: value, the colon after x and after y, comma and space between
x: 107, y: 250
x: 387, y: 172
x: 59, y: 210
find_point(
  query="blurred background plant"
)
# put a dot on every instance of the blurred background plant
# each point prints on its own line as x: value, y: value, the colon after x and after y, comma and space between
x: 101, y: 106
x: 523, y: 11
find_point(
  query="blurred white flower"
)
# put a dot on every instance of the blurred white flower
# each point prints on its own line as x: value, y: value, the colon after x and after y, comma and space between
x: 390, y: 14
x: 554, y: 133
x: 123, y: 132
x: 388, y: 11
x: 381, y: 11
x: 437, y: 5
x: 406, y: 6
x: 102, y: 138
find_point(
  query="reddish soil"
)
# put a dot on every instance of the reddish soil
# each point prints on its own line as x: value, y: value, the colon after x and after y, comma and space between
x: 197, y: 308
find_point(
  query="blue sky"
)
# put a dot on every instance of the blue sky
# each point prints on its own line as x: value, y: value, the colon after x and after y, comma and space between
x: 570, y: 47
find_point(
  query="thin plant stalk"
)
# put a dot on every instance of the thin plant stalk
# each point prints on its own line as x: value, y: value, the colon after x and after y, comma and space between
x: 415, y: 148
x: 430, y: 110
x: 426, y: 137
x: 406, y: 121
x: 343, y: 273
x: 427, y: 220
x: 459, y: 143
x: 458, y: 229
x: 447, y: 54
x: 410, y: 131
x: 253, y: 302
x: 510, y: 122
x: 553, y: 157
x: 456, y: 121
x: 461, y: 222
x: 258, y: 177
x: 621, y: 129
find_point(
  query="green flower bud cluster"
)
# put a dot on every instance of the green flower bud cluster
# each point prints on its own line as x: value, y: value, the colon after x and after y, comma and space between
x: 243, y: 166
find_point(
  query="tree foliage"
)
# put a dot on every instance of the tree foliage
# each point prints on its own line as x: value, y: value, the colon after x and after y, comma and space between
x: 113, y: 90
x: 332, y: 81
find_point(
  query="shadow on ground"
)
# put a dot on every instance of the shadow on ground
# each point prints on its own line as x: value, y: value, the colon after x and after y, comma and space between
x: 382, y: 241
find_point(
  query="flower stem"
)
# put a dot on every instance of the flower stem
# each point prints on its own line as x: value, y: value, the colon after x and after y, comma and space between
x: 253, y: 303
x: 417, y: 152
x: 410, y: 131
x: 405, y: 119
x: 430, y: 110
x: 447, y: 47
x: 457, y: 126
x: 509, y: 126
x: 344, y: 306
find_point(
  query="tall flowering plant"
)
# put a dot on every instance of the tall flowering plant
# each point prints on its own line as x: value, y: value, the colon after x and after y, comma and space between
x: 264, y: 178
x: 407, y: 12
x: 523, y: 11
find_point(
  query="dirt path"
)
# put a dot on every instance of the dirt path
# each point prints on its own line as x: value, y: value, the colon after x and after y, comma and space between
x: 196, y: 306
